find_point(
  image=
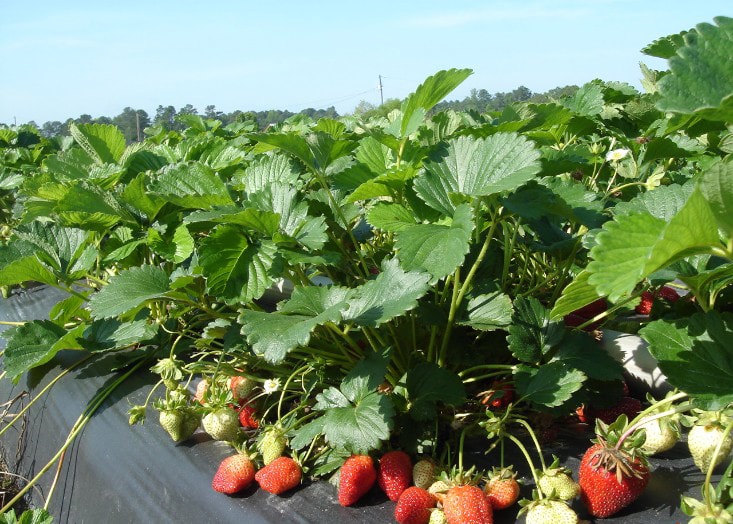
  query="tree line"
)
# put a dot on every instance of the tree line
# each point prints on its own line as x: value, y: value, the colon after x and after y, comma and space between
x: 132, y: 122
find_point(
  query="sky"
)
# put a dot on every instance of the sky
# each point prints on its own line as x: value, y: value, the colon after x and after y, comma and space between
x: 59, y: 60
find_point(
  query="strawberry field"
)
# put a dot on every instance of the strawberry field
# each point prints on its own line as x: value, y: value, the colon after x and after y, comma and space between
x: 407, y: 312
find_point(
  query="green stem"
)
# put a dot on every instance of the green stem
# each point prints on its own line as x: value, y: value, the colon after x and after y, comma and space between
x: 529, y: 462
x: 534, y: 439
x: 78, y: 426
x: 709, y: 474
x: 443, y: 354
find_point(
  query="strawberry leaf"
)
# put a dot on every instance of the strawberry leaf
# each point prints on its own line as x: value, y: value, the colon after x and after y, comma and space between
x: 390, y: 217
x: 391, y: 294
x: 274, y: 335
x: 267, y: 169
x: 532, y: 334
x: 696, y: 354
x: 105, y: 143
x: 550, y: 385
x: 428, y: 384
x: 477, y: 167
x: 487, y: 312
x: 701, y: 74
x: 191, y: 185
x: 365, y: 376
x: 577, y: 294
x: 360, y: 428
x: 436, y: 248
x: 581, y: 351
x: 30, y: 345
x: 717, y: 186
x: 631, y: 247
x: 236, y: 269
x: 129, y: 290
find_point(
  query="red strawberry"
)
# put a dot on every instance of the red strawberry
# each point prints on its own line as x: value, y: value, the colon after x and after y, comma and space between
x: 500, y: 395
x: 502, y: 489
x: 647, y: 301
x: 357, y: 477
x: 395, y: 473
x: 628, y: 406
x: 235, y: 473
x: 467, y: 504
x: 610, y: 479
x: 413, y: 506
x: 587, y: 312
x: 247, y: 417
x: 279, y: 476
x: 669, y: 294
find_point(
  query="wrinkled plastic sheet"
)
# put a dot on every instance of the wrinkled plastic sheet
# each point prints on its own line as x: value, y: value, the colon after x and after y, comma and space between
x: 114, y: 473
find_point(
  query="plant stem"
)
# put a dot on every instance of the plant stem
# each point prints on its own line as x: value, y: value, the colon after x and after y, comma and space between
x: 78, y: 426
x: 529, y: 462
x: 709, y: 474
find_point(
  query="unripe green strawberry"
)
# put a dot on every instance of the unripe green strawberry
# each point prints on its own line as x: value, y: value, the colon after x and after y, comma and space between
x: 661, y: 435
x: 702, y: 441
x: 437, y: 517
x: 272, y: 444
x: 558, y: 481
x: 549, y: 511
x: 222, y: 424
x: 423, y: 473
x: 172, y: 421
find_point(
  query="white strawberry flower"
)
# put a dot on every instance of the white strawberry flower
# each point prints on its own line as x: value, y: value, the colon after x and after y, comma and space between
x: 271, y: 385
x: 616, y: 154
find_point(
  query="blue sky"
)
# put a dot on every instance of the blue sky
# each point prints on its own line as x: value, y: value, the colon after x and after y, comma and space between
x: 62, y: 59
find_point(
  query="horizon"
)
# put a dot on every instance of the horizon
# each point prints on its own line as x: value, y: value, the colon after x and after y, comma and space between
x: 59, y: 62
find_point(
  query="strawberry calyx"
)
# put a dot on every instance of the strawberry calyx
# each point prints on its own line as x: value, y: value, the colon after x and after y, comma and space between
x: 625, y: 464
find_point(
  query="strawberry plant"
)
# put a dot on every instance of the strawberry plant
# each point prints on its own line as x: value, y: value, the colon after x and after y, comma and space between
x: 341, y: 287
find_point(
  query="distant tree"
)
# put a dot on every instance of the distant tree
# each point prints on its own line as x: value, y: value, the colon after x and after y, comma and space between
x: 364, y: 106
x: 130, y: 121
x: 53, y: 129
x: 188, y: 109
x: 211, y: 112
x: 166, y: 117
x: 84, y: 119
x: 382, y: 111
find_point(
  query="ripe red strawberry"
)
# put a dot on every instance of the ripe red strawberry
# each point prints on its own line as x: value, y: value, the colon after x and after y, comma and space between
x: 500, y: 395
x: 669, y: 294
x: 467, y: 504
x: 628, y: 406
x: 248, y: 417
x: 647, y: 301
x: 413, y: 506
x: 357, y: 477
x: 279, y: 476
x: 502, y: 488
x: 610, y: 479
x: 587, y: 312
x: 234, y: 474
x: 395, y: 473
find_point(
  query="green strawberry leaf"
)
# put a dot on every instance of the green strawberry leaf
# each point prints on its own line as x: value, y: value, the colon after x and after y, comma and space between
x: 550, y: 385
x: 663, y: 203
x: 716, y: 184
x: 701, y: 74
x: 105, y: 143
x: 175, y: 249
x: 266, y: 169
x: 109, y: 334
x: 236, y: 269
x: 19, y: 263
x: 577, y: 294
x: 665, y: 47
x: 90, y: 207
x: 436, y: 248
x: 428, y: 384
x: 631, y: 247
x: 392, y: 293
x: 360, y: 428
x: 532, y: 334
x: 191, y: 185
x: 390, y: 217
x: 434, y: 89
x: 274, y: 335
x: 696, y: 354
x: 581, y: 351
x: 304, y: 435
x: 30, y: 345
x: 365, y: 376
x: 587, y: 101
x: 486, y: 312
x: 476, y: 168
x: 129, y: 290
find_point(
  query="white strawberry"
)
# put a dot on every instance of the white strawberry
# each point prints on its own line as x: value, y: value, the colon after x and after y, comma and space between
x: 702, y: 440
x: 423, y: 473
x: 661, y: 435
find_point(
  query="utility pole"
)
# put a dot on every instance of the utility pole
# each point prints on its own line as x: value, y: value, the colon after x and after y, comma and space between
x: 381, y: 90
x: 137, y: 124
